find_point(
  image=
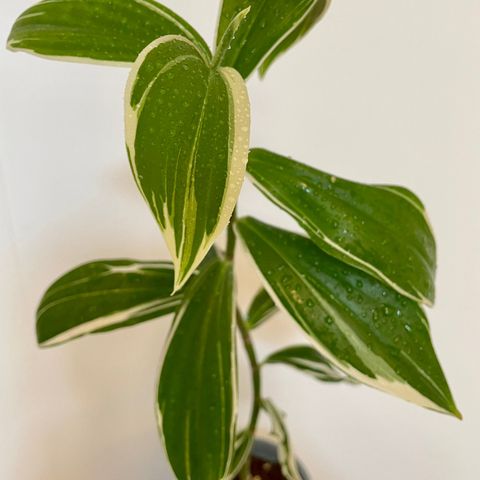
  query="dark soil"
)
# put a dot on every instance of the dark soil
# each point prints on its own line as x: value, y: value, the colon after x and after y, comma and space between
x: 262, y: 470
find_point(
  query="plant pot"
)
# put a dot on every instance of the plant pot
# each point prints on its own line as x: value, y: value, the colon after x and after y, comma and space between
x: 264, y: 462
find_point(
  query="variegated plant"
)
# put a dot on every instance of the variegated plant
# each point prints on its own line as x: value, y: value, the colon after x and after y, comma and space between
x: 355, y: 282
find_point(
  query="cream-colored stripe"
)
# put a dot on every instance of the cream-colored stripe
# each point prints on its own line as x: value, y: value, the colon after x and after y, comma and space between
x: 394, y: 386
x: 367, y: 266
x: 109, y: 320
x: 12, y: 46
x: 132, y: 113
x: 239, y: 146
x: 298, y: 23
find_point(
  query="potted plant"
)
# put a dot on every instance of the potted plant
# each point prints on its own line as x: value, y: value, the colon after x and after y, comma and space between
x: 355, y: 282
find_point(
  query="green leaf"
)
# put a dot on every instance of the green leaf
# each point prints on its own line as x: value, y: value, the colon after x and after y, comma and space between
x: 261, y: 309
x: 187, y: 134
x: 228, y: 37
x: 268, y: 25
x: 197, y: 389
x: 307, y: 360
x: 243, y: 448
x: 286, y: 457
x: 314, y: 16
x: 364, y: 328
x: 381, y: 230
x: 105, y: 295
x: 96, y: 31
x: 210, y: 257
x: 246, y: 437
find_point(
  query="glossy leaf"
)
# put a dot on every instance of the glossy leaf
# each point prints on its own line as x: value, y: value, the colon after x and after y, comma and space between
x: 105, y: 295
x: 267, y: 26
x: 197, y: 388
x: 96, y: 31
x: 187, y: 134
x: 286, y: 457
x: 225, y: 43
x: 361, y: 326
x: 307, y: 360
x: 315, y: 14
x: 261, y: 309
x: 381, y: 230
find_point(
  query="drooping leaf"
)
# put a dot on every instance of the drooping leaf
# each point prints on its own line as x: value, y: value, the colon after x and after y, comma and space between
x: 315, y: 14
x: 187, y: 135
x: 363, y: 327
x: 307, y: 360
x: 286, y: 457
x: 261, y: 309
x: 197, y: 389
x: 96, y: 31
x: 105, y: 295
x: 268, y: 24
x: 381, y: 230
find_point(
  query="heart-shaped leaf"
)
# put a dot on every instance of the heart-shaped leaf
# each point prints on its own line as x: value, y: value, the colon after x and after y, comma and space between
x: 381, y: 230
x: 197, y: 389
x: 105, y: 295
x: 187, y: 134
x: 270, y: 26
x: 363, y: 327
x: 261, y: 309
x: 96, y: 31
x: 307, y: 360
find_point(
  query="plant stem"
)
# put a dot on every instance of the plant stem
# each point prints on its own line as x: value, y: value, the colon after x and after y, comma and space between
x: 256, y: 381
x: 231, y: 237
x: 252, y: 358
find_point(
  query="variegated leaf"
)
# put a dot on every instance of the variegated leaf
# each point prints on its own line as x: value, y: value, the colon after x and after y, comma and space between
x: 96, y: 31
x: 105, y: 295
x: 243, y: 448
x: 315, y: 14
x: 197, y: 388
x: 225, y: 43
x: 286, y: 457
x: 307, y: 360
x: 363, y: 327
x: 261, y: 309
x: 269, y: 27
x: 187, y: 134
x: 381, y: 230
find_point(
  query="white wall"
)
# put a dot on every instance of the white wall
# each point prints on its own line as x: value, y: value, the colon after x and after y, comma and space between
x: 382, y: 91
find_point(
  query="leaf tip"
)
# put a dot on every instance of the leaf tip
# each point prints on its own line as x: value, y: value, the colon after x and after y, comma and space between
x: 458, y: 414
x: 44, y: 342
x: 178, y: 283
x: 246, y: 11
x: 262, y: 71
x: 9, y: 45
x: 181, y: 277
x: 455, y: 412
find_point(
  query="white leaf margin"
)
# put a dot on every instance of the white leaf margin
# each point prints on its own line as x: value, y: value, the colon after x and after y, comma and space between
x: 239, y: 148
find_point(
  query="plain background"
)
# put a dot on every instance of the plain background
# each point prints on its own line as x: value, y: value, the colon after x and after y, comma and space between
x: 381, y: 91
